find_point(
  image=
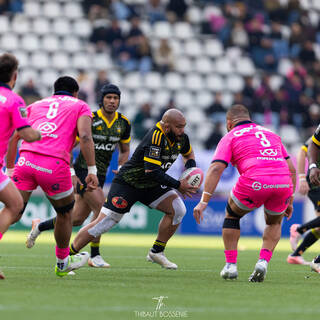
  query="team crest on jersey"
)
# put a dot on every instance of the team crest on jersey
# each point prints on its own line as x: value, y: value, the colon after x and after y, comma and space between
x: 23, y: 112
x: 154, y: 152
x: 118, y: 129
x: 119, y: 202
x: 99, y: 128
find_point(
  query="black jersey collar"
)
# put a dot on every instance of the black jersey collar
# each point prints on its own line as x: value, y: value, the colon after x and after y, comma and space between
x: 63, y: 93
x: 242, y: 123
x: 2, y: 84
x: 158, y: 125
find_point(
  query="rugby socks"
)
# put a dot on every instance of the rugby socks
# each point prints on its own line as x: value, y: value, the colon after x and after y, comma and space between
x: 309, y: 225
x: 47, y: 225
x: 158, y: 246
x: 62, y: 255
x: 307, y: 242
x: 1, y: 235
x: 317, y: 259
x: 231, y: 256
x: 95, y: 249
x: 265, y: 254
x: 73, y: 251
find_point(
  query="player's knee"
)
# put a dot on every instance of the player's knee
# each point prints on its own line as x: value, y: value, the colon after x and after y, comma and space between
x: 104, y: 225
x: 64, y: 209
x: 179, y: 210
x: 231, y: 212
x: 229, y: 223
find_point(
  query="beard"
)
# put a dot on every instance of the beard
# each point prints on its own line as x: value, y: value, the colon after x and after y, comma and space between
x: 172, y: 137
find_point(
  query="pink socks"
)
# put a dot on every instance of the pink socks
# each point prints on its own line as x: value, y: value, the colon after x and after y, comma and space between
x: 1, y: 235
x: 265, y: 254
x: 62, y: 253
x: 231, y: 256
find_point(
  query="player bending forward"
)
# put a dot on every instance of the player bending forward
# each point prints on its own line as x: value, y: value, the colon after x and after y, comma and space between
x: 267, y: 177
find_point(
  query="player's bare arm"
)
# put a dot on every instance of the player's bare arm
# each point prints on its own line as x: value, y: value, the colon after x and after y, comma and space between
x: 301, y: 164
x: 289, y: 210
x: 313, y: 153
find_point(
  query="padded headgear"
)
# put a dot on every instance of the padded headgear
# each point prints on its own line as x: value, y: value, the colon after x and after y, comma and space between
x: 109, y: 88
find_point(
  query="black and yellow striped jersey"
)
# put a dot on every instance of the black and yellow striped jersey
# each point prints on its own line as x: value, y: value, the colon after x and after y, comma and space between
x: 106, y: 135
x: 157, y: 149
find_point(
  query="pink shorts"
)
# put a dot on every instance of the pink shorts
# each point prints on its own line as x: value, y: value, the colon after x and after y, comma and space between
x: 273, y: 192
x: 51, y: 174
x: 4, y: 179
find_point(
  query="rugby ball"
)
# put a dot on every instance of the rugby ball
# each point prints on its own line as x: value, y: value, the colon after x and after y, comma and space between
x: 195, y: 176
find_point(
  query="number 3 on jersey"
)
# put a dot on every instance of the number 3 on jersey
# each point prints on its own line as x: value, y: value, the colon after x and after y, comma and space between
x: 53, y: 110
x: 263, y: 139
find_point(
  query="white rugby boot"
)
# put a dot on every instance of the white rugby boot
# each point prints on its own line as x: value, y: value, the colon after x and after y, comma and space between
x: 74, y: 262
x: 229, y: 271
x: 161, y: 259
x: 315, y: 266
x: 98, y: 262
x: 34, y: 233
x: 259, y: 272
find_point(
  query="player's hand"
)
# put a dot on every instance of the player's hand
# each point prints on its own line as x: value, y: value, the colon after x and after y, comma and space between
x: 289, y: 211
x: 314, y: 176
x: 75, y: 181
x: 92, y: 182
x: 9, y: 172
x: 303, y: 187
x: 115, y: 171
x: 185, y: 189
x: 198, y: 211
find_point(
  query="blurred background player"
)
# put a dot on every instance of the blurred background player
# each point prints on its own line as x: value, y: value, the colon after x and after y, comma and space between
x: 143, y: 179
x: 109, y: 129
x: 46, y: 163
x: 296, y: 230
x: 267, y: 177
x: 314, y: 176
x: 13, y: 117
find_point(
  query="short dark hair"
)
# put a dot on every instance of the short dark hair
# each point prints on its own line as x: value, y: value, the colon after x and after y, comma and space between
x: 66, y: 84
x: 238, y: 111
x: 8, y: 65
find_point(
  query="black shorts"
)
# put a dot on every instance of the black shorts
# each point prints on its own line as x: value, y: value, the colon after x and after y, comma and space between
x: 314, y: 196
x: 82, y: 174
x: 122, y: 196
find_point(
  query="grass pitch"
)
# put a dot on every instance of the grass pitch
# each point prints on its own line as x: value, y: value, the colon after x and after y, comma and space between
x: 127, y: 290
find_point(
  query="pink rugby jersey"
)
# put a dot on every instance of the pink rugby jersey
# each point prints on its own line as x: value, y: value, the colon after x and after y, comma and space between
x: 56, y: 117
x: 13, y: 116
x: 254, y: 150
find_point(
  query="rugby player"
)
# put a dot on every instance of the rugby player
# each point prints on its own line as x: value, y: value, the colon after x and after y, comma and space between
x: 267, y: 177
x: 13, y: 117
x: 109, y: 129
x: 46, y: 163
x: 143, y: 178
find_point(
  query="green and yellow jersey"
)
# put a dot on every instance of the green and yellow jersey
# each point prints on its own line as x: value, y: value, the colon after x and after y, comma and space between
x: 155, y: 148
x: 106, y: 135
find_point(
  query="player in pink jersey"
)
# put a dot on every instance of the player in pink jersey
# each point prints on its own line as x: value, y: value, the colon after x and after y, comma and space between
x: 267, y: 177
x: 13, y: 117
x: 46, y: 163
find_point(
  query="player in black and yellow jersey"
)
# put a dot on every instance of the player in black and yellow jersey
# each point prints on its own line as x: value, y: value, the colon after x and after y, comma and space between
x: 109, y: 130
x: 296, y: 230
x: 143, y: 178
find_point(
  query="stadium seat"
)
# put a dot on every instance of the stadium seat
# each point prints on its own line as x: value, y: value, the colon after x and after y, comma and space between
x: 81, y: 60
x: 234, y: 83
x: 40, y: 26
x: 194, y: 14
x: 82, y: 28
x: 176, y: 46
x: 193, y: 48
x: 32, y: 8
x: 173, y: 81
x: 50, y: 43
x: 203, y: 65
x: 48, y: 77
x: 61, y: 26
x: 153, y: 80
x: 213, y: 48
x: 146, y: 28
x: 203, y: 98
x: 116, y: 78
x: 161, y: 97
x: 215, y: 82
x: 194, y: 81
x: 245, y: 66
x: 224, y: 66
x: 71, y: 44
x: 101, y: 61
x: 51, y: 9
x: 275, y: 82
x: 30, y: 42
x: 183, y: 64
x: 162, y: 30
x: 39, y: 60
x: 211, y: 10
x: 60, y: 60
x: 23, y: 58
x: 182, y: 30
x: 233, y: 53
x: 26, y: 74
x: 20, y: 24
x: 195, y: 116
x: 9, y: 42
x: 227, y: 99
x: 133, y: 80
x: 289, y: 134
x: 73, y: 10
x: 284, y: 66
x: 184, y: 99
x: 4, y: 24
x: 126, y: 98
x: 142, y: 96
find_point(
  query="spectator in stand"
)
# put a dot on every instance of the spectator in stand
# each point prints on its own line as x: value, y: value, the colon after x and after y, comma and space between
x: 121, y: 10
x: 114, y: 36
x: 216, y: 112
x: 248, y: 92
x: 29, y: 92
x: 86, y: 84
x: 98, y: 36
x: 239, y: 36
x: 164, y: 57
x: 215, y: 136
x: 144, y: 55
x: 307, y: 54
x: 296, y: 39
x: 4, y: 6
x: 169, y: 105
x: 177, y: 10
x: 101, y: 80
x: 95, y: 9
x: 142, y: 121
x: 155, y: 11
x: 312, y: 120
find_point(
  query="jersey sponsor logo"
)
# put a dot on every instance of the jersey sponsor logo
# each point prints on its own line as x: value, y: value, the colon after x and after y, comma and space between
x: 23, y: 112
x: 107, y: 147
x: 119, y: 202
x: 242, y: 131
x: 99, y: 128
x: 256, y: 186
x: 99, y: 137
x: 269, y: 152
x: 3, y: 99
x: 22, y: 162
x: 166, y: 165
x: 46, y: 129
x: 154, y: 152
x: 114, y: 139
x: 270, y: 158
x: 97, y: 123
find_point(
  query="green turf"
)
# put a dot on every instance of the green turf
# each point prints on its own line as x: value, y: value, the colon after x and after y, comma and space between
x: 126, y: 290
